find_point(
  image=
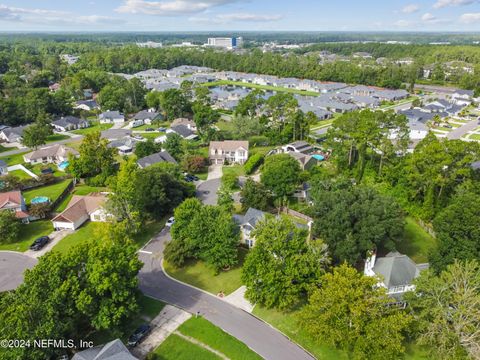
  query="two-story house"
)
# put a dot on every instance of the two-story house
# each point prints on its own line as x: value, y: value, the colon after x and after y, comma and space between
x: 228, y: 151
x: 396, y: 272
x: 14, y: 201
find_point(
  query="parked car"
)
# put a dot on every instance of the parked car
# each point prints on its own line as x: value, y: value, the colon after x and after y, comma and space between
x: 162, y: 129
x: 139, y: 334
x: 39, y: 243
x: 149, y: 129
x: 190, y: 178
x: 170, y: 222
x: 46, y: 171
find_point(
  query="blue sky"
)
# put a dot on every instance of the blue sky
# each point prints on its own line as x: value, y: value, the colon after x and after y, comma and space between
x: 212, y: 15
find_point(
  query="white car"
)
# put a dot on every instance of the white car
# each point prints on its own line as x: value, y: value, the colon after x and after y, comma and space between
x: 170, y: 222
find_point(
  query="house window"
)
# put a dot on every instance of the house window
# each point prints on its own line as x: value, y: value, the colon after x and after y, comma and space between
x: 97, y: 217
x: 249, y: 243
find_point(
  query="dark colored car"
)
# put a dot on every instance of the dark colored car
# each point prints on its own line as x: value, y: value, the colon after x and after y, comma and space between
x: 39, y: 243
x: 139, y: 334
x: 149, y: 129
x: 191, y: 178
x: 162, y: 129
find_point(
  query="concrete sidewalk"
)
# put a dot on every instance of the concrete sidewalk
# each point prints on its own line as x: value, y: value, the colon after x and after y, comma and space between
x: 169, y: 319
x: 237, y: 298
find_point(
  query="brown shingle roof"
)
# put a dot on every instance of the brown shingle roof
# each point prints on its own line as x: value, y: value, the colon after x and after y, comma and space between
x: 80, y: 206
x: 50, y: 151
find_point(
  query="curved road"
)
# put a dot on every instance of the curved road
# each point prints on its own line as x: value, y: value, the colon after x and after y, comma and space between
x: 259, y: 336
x: 12, y: 266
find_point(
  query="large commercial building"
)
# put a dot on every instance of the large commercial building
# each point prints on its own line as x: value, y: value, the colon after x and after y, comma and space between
x: 228, y: 43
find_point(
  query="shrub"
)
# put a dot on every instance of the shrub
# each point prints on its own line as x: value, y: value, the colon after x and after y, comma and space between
x: 253, y: 163
x: 194, y: 163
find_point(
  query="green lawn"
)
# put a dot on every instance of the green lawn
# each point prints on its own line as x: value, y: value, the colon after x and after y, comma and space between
x: 28, y: 233
x: 177, y: 348
x: 57, y: 137
x: 37, y: 169
x: 50, y: 191
x: 22, y: 175
x: 198, y: 274
x: 417, y: 243
x: 288, y: 324
x: 262, y: 87
x: 85, y: 233
x: 475, y: 137
x: 14, y: 159
x: 3, y: 149
x: 238, y: 170
x: 96, y: 126
x: 89, y: 231
x: 144, y: 127
x: 204, y: 331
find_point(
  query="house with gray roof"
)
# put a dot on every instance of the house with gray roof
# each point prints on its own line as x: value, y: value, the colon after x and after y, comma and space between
x: 111, y: 117
x: 147, y: 117
x: 69, y: 123
x: 395, y: 271
x: 12, y: 134
x: 160, y: 157
x: 114, y: 350
x: 183, y: 131
x: 87, y: 105
x: 249, y: 221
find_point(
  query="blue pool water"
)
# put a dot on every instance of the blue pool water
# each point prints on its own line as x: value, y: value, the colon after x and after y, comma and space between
x: 63, y: 165
x: 318, y: 157
x: 40, y: 200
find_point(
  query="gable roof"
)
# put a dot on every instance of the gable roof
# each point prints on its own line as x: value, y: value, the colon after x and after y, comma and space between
x: 229, y: 145
x: 51, y: 151
x: 79, y: 207
x: 182, y: 130
x: 114, y: 350
x: 145, y: 114
x: 396, y: 269
x: 68, y: 120
x: 159, y: 157
x: 14, y: 197
x: 3, y: 164
x: 111, y: 115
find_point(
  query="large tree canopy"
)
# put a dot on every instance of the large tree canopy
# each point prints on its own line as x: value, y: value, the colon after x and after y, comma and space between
x: 283, y: 265
x: 354, y: 219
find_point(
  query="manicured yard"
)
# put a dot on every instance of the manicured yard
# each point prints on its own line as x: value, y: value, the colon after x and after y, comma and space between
x: 14, y: 159
x: 20, y: 174
x: 50, y: 191
x: 204, y: 331
x: 37, y: 169
x: 90, y: 229
x: 177, y: 348
x: 85, y: 233
x: 57, y: 137
x: 198, y: 274
x: 3, y: 148
x: 96, y: 126
x: 417, y: 243
x: 238, y: 170
x: 28, y: 233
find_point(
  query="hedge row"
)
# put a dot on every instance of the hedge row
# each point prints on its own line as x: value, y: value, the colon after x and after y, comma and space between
x: 253, y: 163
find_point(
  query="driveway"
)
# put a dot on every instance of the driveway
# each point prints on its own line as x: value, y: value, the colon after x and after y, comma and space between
x: 259, y: 336
x: 12, y: 267
x: 207, y: 190
x: 55, y: 237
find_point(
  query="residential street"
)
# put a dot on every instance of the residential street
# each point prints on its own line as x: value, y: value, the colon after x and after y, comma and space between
x: 259, y: 336
x: 12, y: 266
x: 462, y: 130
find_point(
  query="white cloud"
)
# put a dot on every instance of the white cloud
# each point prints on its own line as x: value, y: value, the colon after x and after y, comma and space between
x: 403, y: 23
x: 169, y: 8
x: 409, y: 9
x: 51, y: 17
x: 470, y: 18
x: 444, y: 3
x: 428, y: 17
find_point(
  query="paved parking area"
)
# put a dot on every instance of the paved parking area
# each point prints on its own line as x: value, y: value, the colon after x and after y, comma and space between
x: 163, y: 325
x: 12, y: 267
x: 55, y: 237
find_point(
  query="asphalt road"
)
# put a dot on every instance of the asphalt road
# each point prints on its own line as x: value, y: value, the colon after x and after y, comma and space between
x: 259, y: 336
x: 462, y: 130
x: 207, y: 191
x: 12, y: 267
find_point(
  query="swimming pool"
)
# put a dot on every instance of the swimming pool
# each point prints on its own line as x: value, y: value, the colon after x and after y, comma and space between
x: 318, y: 157
x: 63, y: 165
x: 40, y: 200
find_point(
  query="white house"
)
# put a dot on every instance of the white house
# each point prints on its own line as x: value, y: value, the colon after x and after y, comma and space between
x: 463, y: 97
x: 228, y: 151
x: 3, y: 168
x: 79, y: 210
x: 69, y: 123
x: 396, y: 272
x: 109, y: 117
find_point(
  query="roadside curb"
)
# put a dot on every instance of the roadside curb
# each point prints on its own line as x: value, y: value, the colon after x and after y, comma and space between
x: 251, y: 314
